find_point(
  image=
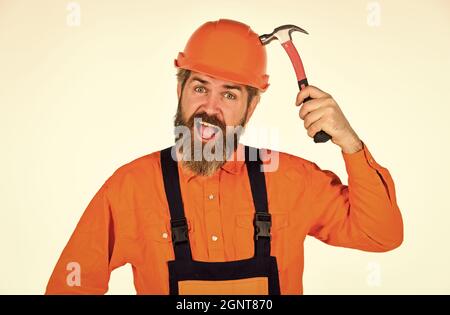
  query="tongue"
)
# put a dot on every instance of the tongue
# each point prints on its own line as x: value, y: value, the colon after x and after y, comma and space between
x: 207, y: 132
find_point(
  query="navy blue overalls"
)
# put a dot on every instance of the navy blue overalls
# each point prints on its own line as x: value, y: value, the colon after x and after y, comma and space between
x: 257, y: 275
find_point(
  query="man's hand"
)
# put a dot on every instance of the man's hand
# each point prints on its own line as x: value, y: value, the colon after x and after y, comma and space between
x: 323, y: 113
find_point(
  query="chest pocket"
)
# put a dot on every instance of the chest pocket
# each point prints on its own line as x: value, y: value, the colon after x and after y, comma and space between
x: 244, y: 233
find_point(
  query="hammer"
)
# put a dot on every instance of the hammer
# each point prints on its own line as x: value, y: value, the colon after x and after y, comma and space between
x: 283, y: 34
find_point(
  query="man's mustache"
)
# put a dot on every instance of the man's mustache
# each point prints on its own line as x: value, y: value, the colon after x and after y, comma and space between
x: 208, y: 119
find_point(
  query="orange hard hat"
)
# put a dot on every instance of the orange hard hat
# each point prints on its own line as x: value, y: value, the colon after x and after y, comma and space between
x: 228, y: 50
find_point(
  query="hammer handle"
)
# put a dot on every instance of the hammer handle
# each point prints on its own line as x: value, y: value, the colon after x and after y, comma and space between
x: 321, y: 136
x: 292, y: 52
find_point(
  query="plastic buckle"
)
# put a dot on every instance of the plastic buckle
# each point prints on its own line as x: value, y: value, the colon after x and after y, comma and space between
x: 179, y: 231
x: 263, y: 222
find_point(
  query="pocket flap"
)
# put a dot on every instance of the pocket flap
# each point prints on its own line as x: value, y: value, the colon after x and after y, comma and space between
x: 279, y: 220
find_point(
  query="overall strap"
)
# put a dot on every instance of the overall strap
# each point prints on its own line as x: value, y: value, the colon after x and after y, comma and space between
x: 263, y: 220
x: 178, y: 222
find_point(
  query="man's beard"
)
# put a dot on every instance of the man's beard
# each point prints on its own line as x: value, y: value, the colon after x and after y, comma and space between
x: 205, y: 158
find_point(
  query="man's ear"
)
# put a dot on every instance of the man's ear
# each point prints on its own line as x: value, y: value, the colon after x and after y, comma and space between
x: 252, y: 107
x: 179, y: 90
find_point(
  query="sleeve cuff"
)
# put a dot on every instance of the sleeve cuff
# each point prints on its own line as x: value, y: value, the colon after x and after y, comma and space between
x: 359, y: 162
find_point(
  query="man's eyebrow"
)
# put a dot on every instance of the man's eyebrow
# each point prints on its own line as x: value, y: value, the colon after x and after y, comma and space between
x: 199, y: 80
x: 232, y: 87
x: 226, y: 86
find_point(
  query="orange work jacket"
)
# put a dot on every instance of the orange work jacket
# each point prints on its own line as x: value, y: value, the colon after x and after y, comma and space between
x: 128, y: 220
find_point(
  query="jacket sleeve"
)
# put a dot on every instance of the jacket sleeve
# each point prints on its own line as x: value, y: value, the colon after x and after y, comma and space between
x: 363, y: 215
x: 87, y: 260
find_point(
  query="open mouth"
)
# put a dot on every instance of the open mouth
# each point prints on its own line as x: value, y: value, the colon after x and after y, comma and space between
x: 206, y: 131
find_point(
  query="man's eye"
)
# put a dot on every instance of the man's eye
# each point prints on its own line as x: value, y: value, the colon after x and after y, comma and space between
x: 199, y: 89
x: 230, y: 96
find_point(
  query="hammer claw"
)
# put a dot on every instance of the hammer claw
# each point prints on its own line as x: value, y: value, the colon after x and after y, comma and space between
x: 283, y: 33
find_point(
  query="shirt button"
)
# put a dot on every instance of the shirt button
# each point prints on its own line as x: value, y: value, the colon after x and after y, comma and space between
x: 165, y: 235
x: 211, y: 197
x: 214, y: 238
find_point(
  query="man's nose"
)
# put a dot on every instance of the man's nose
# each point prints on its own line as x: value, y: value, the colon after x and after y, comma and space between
x: 213, y: 104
